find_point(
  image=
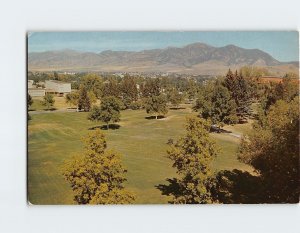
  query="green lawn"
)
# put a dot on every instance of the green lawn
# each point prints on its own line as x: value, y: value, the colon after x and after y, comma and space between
x: 54, y: 137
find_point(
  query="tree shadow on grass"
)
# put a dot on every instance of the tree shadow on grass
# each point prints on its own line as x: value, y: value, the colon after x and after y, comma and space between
x: 230, y: 187
x: 104, y: 127
x: 154, y: 117
x: 50, y: 109
x: 214, y: 129
x: 238, y: 187
x: 179, y: 108
x: 171, y: 189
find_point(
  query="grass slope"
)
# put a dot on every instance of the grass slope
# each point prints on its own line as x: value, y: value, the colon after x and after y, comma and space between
x: 55, y: 137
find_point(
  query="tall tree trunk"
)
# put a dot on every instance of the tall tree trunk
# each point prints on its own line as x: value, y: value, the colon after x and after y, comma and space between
x: 107, y: 126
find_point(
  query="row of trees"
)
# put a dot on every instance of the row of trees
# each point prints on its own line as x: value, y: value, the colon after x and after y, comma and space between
x: 271, y: 148
x: 226, y: 101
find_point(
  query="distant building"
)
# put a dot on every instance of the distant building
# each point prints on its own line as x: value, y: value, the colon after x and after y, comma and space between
x: 36, y: 92
x: 57, y: 87
x: 30, y: 83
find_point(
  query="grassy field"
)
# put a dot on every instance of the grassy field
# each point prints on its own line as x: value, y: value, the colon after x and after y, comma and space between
x: 54, y: 137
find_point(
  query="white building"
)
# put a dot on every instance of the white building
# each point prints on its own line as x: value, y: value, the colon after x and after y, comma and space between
x: 57, y: 87
x: 36, y: 92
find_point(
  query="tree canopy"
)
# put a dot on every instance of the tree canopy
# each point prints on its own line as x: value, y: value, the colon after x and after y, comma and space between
x: 273, y: 150
x: 192, y: 155
x: 156, y: 105
x: 84, y: 102
x: 48, y: 101
x: 97, y: 175
x: 108, y: 111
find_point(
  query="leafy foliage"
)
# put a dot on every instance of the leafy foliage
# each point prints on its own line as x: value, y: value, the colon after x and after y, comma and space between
x: 109, y: 110
x: 72, y: 98
x: 215, y: 103
x: 48, y: 101
x: 84, y: 101
x: 273, y: 150
x: 192, y: 156
x: 97, y: 176
x: 151, y: 87
x: 129, y: 91
x: 156, y: 105
x: 240, y: 91
x: 92, y: 83
x: 175, y: 97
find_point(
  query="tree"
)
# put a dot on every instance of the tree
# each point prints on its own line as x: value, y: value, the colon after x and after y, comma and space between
x: 72, y: 98
x: 192, y: 89
x: 48, y: 101
x: 93, y: 83
x: 217, y: 105
x: 129, y: 91
x: 111, y: 88
x: 192, y: 156
x: 272, y: 148
x: 151, y: 88
x: 97, y: 175
x: 29, y: 103
x: 109, y: 110
x: 286, y: 90
x: 240, y: 92
x: 84, y: 101
x: 175, y: 97
x: 156, y: 105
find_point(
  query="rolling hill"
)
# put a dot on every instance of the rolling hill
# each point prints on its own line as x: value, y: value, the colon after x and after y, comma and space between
x: 197, y: 58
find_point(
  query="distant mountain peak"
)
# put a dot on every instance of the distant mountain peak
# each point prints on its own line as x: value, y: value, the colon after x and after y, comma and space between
x: 193, y: 58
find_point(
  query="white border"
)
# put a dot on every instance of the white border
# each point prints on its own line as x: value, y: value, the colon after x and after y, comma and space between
x: 17, y: 17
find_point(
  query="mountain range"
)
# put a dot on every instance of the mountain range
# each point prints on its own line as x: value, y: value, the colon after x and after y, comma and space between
x: 197, y: 58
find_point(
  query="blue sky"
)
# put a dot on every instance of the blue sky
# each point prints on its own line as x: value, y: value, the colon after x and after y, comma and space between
x: 282, y: 45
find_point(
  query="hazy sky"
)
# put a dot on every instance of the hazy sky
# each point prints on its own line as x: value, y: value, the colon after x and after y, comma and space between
x: 283, y: 45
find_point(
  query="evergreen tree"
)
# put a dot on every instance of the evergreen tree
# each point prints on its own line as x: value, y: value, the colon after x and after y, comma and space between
x: 97, y: 175
x: 240, y: 92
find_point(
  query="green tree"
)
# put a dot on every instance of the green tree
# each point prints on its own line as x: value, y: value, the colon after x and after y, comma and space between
x: 72, y: 98
x: 84, y: 101
x: 93, y: 83
x: 129, y: 91
x: 240, y: 92
x: 29, y: 103
x: 156, y: 105
x: 151, y: 87
x: 175, y: 97
x: 192, y: 156
x: 48, y: 101
x: 272, y: 148
x: 111, y: 87
x: 97, y: 175
x: 217, y: 105
x: 108, y: 111
x: 192, y: 89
